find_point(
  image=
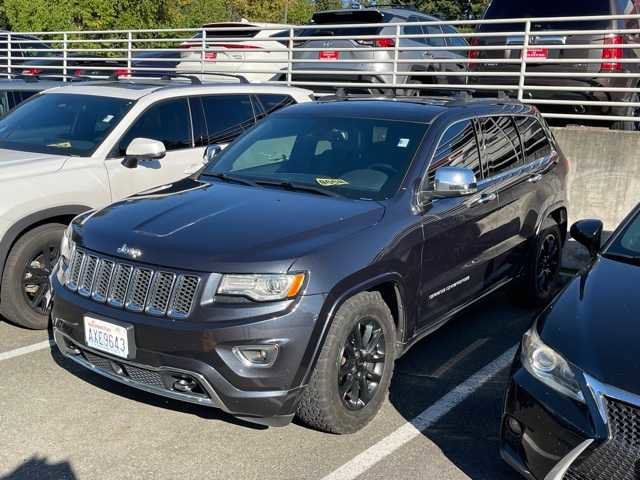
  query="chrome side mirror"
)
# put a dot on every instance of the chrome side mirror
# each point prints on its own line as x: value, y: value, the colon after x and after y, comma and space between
x: 143, y: 149
x: 210, y: 153
x: 454, y: 182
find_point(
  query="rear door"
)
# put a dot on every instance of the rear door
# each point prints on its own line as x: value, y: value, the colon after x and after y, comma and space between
x: 457, y: 232
x: 167, y: 121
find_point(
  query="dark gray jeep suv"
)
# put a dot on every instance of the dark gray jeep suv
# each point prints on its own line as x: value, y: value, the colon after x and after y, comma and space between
x: 289, y: 274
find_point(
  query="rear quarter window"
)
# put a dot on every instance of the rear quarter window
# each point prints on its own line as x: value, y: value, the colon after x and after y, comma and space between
x: 534, y: 138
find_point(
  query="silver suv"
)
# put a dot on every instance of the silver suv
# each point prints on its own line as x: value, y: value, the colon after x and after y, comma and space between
x: 84, y: 146
x: 329, y: 55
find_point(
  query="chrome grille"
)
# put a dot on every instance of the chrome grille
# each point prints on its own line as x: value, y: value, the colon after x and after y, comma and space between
x: 76, y: 269
x: 103, y: 281
x: 137, y: 296
x: 183, y: 296
x: 87, y: 276
x: 135, y: 288
x: 160, y: 293
x: 120, y: 285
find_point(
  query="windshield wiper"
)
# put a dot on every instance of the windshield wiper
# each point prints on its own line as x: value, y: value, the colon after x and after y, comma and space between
x: 230, y: 178
x: 301, y: 187
x: 623, y: 257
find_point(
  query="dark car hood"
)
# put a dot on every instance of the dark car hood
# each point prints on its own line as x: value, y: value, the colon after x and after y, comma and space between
x: 223, y: 227
x: 595, y: 324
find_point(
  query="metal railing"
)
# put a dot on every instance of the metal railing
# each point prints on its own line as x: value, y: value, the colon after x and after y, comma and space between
x: 570, y: 69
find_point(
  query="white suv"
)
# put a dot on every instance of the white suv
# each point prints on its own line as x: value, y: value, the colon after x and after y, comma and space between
x: 86, y: 145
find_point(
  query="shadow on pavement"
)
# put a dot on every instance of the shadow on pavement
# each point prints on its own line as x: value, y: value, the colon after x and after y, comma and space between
x: 40, y: 468
x: 467, y: 435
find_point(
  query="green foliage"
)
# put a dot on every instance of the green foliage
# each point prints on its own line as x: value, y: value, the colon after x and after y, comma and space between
x: 48, y: 15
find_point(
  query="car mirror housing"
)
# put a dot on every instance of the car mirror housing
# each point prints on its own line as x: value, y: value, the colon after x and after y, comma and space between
x: 143, y: 149
x: 589, y: 234
x: 454, y: 182
x: 210, y: 154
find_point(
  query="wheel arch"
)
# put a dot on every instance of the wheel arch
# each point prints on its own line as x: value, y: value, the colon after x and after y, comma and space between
x: 61, y: 214
x: 390, y: 287
x: 559, y: 214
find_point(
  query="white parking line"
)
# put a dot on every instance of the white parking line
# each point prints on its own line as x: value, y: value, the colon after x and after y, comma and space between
x: 25, y: 350
x: 403, y: 435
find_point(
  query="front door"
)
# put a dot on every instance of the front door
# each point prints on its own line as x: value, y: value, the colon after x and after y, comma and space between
x: 457, y: 232
x: 170, y: 123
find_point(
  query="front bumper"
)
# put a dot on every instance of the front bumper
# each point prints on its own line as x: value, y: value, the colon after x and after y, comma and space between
x: 559, y: 438
x: 200, y: 351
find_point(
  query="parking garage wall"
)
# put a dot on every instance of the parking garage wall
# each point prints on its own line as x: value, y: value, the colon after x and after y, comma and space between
x: 605, y: 172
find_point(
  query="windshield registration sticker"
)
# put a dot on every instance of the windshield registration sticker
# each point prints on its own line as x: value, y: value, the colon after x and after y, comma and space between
x: 331, y: 182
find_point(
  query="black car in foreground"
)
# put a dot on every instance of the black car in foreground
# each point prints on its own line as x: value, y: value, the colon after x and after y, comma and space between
x: 291, y: 272
x: 573, y: 406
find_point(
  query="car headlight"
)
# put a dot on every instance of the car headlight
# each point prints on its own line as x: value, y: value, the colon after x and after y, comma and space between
x: 67, y: 246
x: 262, y: 288
x: 548, y: 366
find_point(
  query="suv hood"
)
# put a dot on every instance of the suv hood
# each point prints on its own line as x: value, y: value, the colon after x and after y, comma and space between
x: 226, y: 228
x: 594, y: 324
x: 14, y: 163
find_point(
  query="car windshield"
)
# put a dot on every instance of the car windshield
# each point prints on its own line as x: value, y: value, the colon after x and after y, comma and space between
x: 627, y: 242
x: 351, y: 157
x: 64, y: 124
x: 550, y: 8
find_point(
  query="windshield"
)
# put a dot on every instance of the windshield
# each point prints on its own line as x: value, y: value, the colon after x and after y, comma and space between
x: 627, y: 243
x: 62, y: 124
x: 550, y: 8
x: 353, y: 157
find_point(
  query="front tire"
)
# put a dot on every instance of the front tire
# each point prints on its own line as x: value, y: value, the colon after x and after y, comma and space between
x: 25, y: 283
x: 351, y: 379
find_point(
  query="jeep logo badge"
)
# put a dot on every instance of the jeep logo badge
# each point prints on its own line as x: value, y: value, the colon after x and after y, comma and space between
x: 130, y: 252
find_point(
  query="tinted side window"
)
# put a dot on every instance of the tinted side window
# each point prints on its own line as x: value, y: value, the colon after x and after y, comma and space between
x: 434, y: 30
x: 168, y: 122
x: 454, y: 41
x: 501, y: 145
x: 227, y: 117
x: 534, y: 138
x: 458, y: 148
x: 273, y: 103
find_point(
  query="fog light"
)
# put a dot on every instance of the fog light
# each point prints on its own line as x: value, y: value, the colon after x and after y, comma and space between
x: 257, y: 355
x: 514, y: 426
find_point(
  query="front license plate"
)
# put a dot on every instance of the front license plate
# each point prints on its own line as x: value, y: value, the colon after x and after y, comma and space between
x: 106, y: 337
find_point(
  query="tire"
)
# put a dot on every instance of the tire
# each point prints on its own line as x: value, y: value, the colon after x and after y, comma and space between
x: 545, y: 256
x: 328, y: 403
x: 31, y: 260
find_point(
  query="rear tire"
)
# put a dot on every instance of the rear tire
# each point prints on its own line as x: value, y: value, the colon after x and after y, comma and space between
x: 540, y: 281
x: 630, y: 112
x: 25, y: 282
x: 351, y: 379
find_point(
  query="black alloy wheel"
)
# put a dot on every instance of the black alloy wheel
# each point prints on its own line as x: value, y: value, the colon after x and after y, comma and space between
x: 548, y: 264
x: 35, y: 278
x: 361, y: 364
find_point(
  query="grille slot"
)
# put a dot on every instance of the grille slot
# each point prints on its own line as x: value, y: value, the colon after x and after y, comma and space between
x: 103, y: 281
x: 160, y: 293
x: 88, y: 275
x: 183, y: 296
x: 617, y: 458
x: 135, y: 288
x: 76, y: 269
x: 137, y: 297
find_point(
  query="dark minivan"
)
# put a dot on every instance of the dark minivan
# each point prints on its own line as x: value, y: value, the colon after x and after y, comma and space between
x: 606, y: 52
x: 290, y: 273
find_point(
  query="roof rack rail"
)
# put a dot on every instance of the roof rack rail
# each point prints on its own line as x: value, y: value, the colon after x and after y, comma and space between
x: 195, y: 80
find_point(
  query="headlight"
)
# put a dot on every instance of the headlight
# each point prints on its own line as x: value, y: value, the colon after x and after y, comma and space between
x: 67, y: 247
x: 262, y: 288
x: 548, y: 366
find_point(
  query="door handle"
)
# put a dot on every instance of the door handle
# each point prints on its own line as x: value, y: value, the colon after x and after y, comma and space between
x: 486, y: 198
x: 535, y: 178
